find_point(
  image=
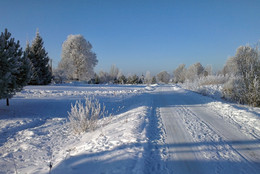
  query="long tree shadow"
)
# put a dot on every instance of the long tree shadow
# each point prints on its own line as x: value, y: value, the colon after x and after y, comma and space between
x: 120, y: 160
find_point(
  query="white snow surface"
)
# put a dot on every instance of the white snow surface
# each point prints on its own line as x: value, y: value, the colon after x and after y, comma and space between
x: 153, y: 129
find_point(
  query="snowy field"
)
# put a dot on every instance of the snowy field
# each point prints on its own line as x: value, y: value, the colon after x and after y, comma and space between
x: 153, y: 129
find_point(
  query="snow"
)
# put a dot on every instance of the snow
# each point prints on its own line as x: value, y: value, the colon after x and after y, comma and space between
x: 152, y: 129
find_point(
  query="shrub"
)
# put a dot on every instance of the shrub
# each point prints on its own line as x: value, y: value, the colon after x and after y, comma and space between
x: 84, y: 117
x: 236, y: 90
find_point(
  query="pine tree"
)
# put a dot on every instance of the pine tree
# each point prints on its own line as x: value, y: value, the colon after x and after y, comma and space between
x: 24, y: 70
x: 14, y: 67
x: 41, y: 71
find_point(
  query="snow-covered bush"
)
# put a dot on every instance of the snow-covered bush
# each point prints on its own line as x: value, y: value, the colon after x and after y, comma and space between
x: 83, y: 117
x: 212, y: 80
x: 207, y: 85
x: 236, y: 90
x: 233, y: 90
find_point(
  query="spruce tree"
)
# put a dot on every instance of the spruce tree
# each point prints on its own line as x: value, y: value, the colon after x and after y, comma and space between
x: 41, y: 71
x: 14, y: 67
x: 25, y: 72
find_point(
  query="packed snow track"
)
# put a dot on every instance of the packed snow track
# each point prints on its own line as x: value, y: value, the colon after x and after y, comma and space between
x: 200, y: 139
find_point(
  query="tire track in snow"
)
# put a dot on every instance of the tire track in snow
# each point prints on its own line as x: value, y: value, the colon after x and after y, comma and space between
x: 154, y: 151
x: 194, y: 145
x: 231, y: 138
x: 209, y: 142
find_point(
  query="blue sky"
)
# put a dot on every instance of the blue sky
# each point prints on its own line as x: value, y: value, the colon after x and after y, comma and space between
x: 139, y: 35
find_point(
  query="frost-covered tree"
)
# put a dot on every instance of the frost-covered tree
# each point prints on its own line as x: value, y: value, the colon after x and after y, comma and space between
x: 41, y: 70
x: 179, y: 74
x: 230, y: 67
x: 78, y: 59
x: 133, y: 79
x: 163, y: 77
x: 207, y: 70
x: 114, y: 72
x: 14, y: 67
x: 103, y: 77
x: 245, y: 86
x: 148, y: 78
x: 247, y: 62
x: 194, y: 71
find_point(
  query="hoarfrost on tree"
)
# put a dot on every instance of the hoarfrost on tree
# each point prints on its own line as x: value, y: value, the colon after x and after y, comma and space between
x: 78, y: 60
x: 163, y: 77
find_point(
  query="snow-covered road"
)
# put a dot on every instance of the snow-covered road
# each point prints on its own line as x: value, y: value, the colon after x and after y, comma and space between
x: 154, y: 129
x: 199, y: 139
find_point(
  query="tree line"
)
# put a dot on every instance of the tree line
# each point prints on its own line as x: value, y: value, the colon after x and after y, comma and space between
x: 240, y: 76
x: 31, y: 66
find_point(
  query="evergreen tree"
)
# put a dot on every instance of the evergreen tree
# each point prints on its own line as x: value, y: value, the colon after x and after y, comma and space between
x: 24, y: 69
x: 41, y: 71
x: 14, y: 67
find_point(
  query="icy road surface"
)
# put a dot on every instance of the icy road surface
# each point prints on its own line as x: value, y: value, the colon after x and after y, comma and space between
x: 155, y: 129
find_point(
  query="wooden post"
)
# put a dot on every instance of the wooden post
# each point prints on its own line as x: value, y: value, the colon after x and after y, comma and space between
x: 7, y: 101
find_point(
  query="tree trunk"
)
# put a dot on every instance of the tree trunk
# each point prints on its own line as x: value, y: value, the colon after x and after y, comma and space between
x: 7, y: 101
